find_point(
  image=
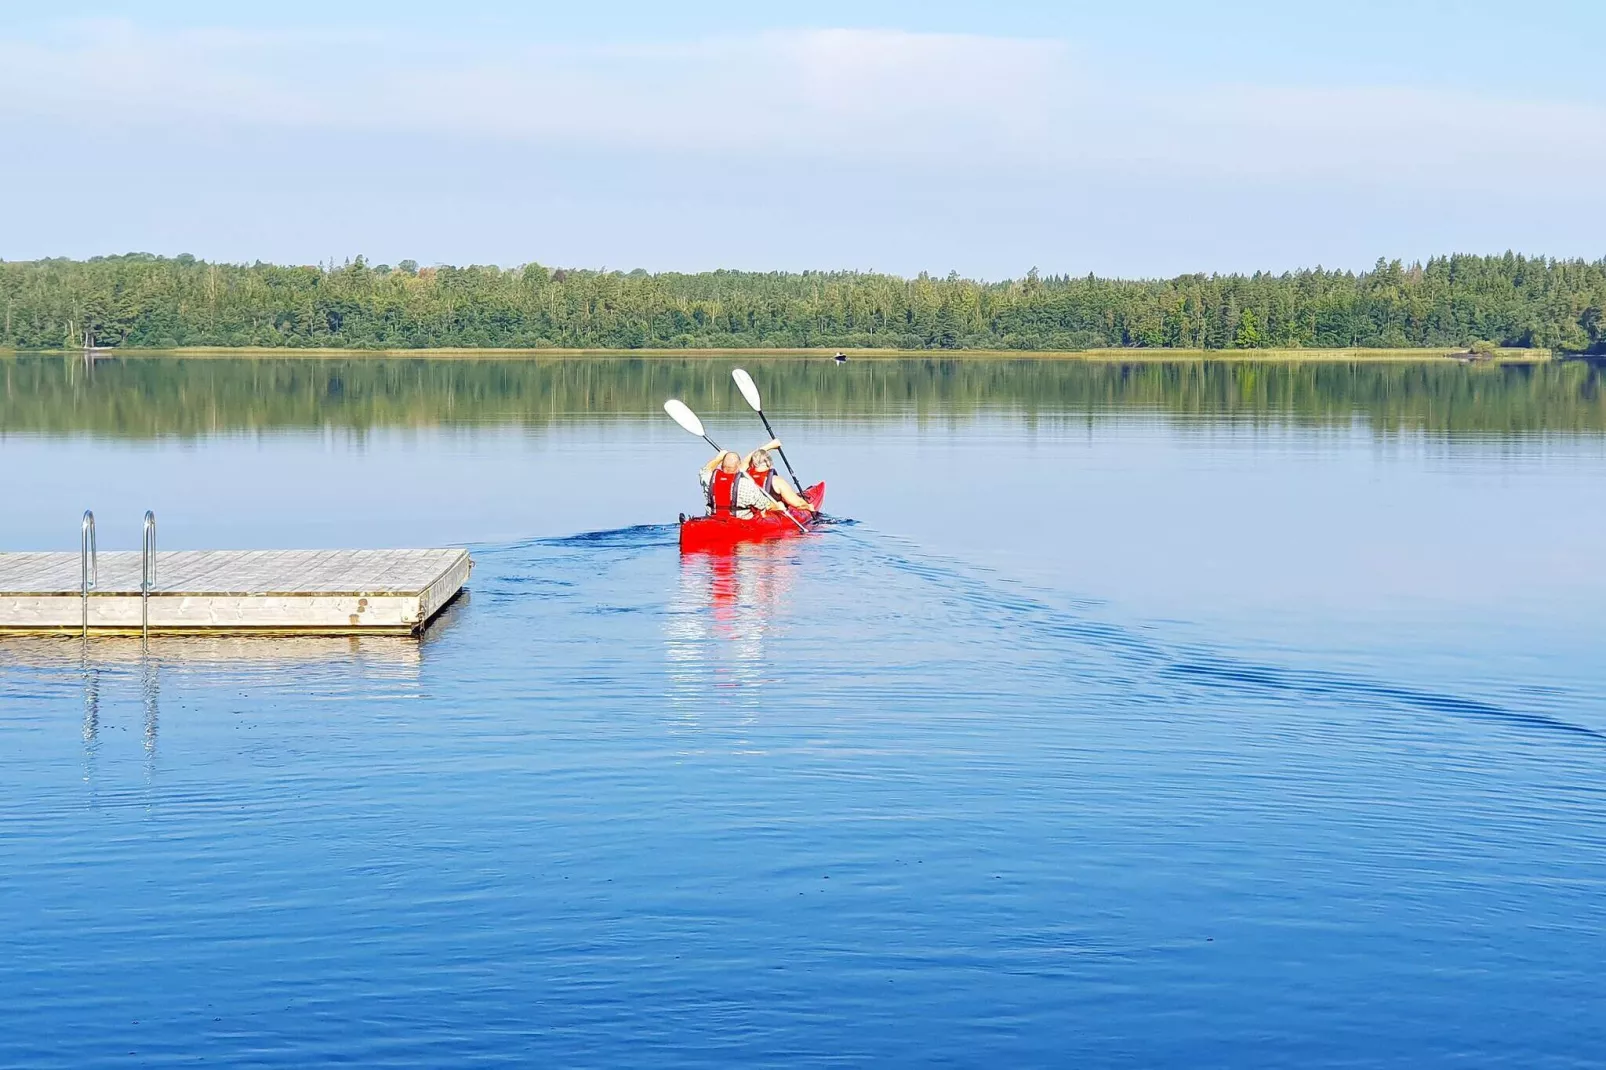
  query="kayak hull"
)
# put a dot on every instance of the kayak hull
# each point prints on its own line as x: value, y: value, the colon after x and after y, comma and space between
x: 703, y: 534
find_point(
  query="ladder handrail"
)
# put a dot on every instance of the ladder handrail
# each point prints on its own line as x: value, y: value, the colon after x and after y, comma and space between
x: 88, y: 563
x: 147, y: 573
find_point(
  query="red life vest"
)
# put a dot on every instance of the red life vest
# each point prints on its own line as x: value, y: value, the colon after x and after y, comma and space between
x: 722, y: 491
x: 762, y: 479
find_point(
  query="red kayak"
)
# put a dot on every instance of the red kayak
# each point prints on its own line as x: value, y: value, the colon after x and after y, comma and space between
x: 723, y: 531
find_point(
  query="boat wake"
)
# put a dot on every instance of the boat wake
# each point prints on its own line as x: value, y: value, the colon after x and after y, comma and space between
x: 868, y: 588
x: 1033, y: 612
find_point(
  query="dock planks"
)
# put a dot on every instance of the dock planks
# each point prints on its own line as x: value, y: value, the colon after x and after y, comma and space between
x: 328, y: 592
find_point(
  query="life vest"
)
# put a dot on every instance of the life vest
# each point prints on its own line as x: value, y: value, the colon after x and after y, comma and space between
x: 722, y: 491
x: 762, y: 481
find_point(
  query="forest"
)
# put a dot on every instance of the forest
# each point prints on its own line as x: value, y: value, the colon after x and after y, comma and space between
x: 139, y: 300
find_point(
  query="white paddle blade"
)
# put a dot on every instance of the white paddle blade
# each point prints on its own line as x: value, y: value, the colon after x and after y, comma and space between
x: 683, y: 416
x: 749, y: 389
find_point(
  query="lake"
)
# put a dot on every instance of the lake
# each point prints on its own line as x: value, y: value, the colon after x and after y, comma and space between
x: 1205, y: 714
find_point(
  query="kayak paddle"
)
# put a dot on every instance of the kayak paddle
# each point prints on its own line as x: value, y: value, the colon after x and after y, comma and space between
x: 682, y: 415
x: 749, y: 389
x: 687, y: 419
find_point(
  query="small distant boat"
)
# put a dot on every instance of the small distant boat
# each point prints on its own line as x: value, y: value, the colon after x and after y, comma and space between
x: 722, y: 532
x: 841, y: 357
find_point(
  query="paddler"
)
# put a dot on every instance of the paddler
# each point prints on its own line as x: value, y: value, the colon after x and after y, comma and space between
x: 745, y: 487
x: 758, y: 469
x: 729, y: 489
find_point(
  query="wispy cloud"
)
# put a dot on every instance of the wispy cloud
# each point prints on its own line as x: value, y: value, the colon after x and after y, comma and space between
x: 804, y: 91
x: 808, y: 94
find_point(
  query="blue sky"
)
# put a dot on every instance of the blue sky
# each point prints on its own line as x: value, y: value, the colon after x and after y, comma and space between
x: 1130, y: 139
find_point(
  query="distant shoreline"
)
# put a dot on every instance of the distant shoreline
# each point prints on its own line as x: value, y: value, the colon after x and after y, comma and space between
x: 1128, y: 355
x: 1429, y: 308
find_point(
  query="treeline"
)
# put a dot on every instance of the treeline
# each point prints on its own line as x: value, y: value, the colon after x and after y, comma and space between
x: 148, y: 398
x: 139, y: 300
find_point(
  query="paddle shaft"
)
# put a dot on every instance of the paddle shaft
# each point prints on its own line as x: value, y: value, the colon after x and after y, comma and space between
x: 797, y: 484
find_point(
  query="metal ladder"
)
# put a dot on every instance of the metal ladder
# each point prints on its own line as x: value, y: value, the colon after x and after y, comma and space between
x: 147, y: 573
x: 89, y: 569
x: 88, y: 564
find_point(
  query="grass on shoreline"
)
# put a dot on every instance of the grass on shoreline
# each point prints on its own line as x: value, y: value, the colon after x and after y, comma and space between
x: 1504, y: 356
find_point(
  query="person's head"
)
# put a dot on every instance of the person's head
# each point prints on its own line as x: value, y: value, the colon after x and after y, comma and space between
x: 730, y: 462
x: 761, y: 461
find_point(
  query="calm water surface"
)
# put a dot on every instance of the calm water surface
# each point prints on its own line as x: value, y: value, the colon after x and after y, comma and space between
x: 1204, y: 715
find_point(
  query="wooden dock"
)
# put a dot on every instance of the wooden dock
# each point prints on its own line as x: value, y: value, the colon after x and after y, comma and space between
x: 271, y: 592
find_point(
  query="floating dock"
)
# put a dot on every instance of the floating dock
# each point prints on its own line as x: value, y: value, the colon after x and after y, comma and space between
x: 239, y: 592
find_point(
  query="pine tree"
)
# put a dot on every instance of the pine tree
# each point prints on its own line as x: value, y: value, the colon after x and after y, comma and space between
x: 1249, y: 335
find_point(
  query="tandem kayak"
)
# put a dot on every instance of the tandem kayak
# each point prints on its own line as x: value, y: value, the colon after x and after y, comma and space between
x: 723, y: 531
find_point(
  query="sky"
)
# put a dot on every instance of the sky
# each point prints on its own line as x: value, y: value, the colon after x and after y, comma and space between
x: 1131, y: 139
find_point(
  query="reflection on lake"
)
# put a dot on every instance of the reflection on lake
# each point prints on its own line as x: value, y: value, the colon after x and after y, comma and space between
x: 146, y: 396
x: 1200, y: 714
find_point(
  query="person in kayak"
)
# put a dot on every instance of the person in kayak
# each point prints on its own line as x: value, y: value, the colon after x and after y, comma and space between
x: 758, y: 469
x: 729, y: 489
x: 745, y: 488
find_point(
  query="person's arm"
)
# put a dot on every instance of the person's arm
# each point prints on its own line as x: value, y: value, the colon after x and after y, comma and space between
x: 783, y: 490
x: 713, y: 464
x: 772, y: 444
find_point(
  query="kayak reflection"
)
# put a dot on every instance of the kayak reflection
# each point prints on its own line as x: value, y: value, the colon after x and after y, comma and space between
x: 728, y: 604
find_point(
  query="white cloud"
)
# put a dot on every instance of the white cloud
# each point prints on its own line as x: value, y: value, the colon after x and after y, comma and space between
x: 803, y: 91
x: 957, y: 100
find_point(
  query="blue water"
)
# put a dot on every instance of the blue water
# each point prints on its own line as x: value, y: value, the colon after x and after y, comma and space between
x: 1241, y: 744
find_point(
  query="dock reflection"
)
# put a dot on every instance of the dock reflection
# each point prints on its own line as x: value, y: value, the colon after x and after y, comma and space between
x: 49, y: 652
x: 116, y: 673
